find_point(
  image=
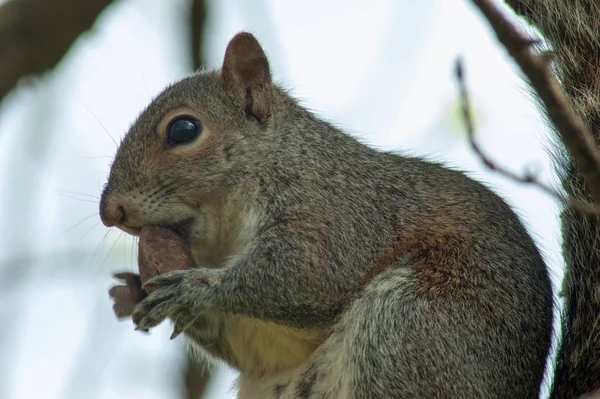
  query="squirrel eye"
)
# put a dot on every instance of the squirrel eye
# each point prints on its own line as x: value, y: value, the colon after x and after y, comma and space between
x: 183, y: 130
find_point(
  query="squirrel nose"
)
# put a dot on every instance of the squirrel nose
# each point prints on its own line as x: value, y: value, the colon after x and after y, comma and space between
x: 122, y: 212
x: 112, y: 212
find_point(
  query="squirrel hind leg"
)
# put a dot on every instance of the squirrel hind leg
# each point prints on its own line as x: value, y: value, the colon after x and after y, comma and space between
x: 393, y: 343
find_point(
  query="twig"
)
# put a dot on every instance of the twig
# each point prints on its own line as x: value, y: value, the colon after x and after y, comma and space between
x: 197, y: 18
x: 528, y: 177
x: 574, y: 133
x: 519, y: 8
x: 36, y: 34
x: 197, y: 379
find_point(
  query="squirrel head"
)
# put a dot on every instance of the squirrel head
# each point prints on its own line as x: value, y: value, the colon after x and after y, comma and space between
x: 176, y: 164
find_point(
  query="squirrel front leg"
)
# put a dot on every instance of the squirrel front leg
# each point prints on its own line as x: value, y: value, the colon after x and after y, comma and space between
x: 277, y: 280
x: 206, y: 331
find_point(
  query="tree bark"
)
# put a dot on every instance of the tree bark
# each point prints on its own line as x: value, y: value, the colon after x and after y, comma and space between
x: 36, y: 34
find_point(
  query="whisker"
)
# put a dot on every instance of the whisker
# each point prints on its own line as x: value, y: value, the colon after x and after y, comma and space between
x: 96, y: 157
x: 173, y: 202
x: 97, y: 120
x: 125, y: 247
x: 91, y: 228
x: 134, y: 243
x: 77, y: 193
x: 80, y: 199
x: 111, y: 248
x: 78, y: 223
x: 98, y: 246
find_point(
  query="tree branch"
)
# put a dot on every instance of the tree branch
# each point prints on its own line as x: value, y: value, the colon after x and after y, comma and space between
x: 197, y: 379
x: 519, y: 7
x: 197, y: 376
x: 574, y: 133
x: 528, y: 177
x: 36, y: 34
x: 197, y: 18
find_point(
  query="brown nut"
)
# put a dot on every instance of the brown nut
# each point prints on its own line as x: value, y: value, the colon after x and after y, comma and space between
x: 162, y: 250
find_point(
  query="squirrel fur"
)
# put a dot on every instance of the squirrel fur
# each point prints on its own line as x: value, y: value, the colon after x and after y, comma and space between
x: 326, y: 268
x: 572, y: 30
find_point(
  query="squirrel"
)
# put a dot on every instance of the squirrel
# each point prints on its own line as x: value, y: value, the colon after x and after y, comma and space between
x: 325, y: 268
x: 572, y: 30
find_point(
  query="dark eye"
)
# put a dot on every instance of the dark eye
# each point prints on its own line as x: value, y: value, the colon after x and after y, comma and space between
x: 183, y: 130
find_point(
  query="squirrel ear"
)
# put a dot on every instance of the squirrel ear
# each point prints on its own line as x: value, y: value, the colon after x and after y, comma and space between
x: 245, y: 62
x: 246, y: 70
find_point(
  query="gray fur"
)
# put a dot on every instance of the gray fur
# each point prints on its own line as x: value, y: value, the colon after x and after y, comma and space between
x: 328, y: 269
x: 572, y: 29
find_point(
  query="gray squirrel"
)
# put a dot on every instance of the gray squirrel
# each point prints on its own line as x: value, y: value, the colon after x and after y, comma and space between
x: 327, y: 269
x: 330, y: 270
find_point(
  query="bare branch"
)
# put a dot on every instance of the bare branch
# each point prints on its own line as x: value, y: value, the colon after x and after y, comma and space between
x: 197, y: 379
x: 574, y: 133
x: 519, y: 7
x: 36, y: 34
x: 527, y: 177
x: 197, y: 376
x: 197, y: 18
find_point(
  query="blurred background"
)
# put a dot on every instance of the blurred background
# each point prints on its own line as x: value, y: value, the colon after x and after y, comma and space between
x: 382, y: 69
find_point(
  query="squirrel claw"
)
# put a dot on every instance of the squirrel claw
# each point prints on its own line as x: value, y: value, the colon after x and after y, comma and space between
x: 182, y: 322
x: 178, y: 292
x: 146, y: 317
x: 144, y: 330
x: 175, y: 334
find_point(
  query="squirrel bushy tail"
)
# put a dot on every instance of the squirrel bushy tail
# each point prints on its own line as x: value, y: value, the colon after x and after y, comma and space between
x: 572, y: 29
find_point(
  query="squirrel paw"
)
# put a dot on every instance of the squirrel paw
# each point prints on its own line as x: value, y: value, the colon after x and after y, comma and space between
x: 128, y: 295
x: 180, y: 294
